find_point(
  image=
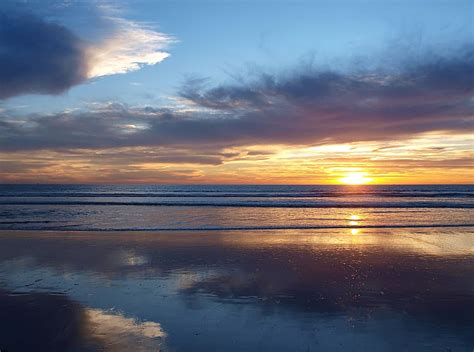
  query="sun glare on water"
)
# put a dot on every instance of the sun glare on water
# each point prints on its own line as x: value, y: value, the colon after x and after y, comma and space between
x: 355, y: 178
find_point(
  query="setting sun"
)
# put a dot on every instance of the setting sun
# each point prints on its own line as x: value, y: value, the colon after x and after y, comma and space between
x: 355, y: 178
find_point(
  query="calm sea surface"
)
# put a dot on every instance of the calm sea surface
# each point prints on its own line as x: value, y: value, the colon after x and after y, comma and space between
x: 236, y: 268
x: 86, y: 207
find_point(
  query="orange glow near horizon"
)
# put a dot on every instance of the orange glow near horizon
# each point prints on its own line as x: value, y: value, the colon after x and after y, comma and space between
x: 428, y: 159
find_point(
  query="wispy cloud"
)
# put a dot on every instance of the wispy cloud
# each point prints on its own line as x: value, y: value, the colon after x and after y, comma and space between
x: 128, y: 47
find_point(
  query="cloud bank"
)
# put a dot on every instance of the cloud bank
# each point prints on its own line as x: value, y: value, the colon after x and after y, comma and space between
x: 302, y: 106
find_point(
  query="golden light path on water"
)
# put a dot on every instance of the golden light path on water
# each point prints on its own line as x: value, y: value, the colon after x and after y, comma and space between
x: 354, y: 221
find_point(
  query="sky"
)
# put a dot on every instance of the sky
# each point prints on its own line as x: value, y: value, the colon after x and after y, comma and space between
x: 299, y: 92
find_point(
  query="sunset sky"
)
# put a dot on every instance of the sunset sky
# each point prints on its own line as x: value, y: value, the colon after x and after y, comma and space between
x: 236, y: 91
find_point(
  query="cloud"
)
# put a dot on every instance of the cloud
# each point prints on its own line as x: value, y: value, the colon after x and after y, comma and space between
x: 130, y: 47
x: 38, y: 57
x: 41, y: 56
x: 401, y: 161
x: 303, y: 106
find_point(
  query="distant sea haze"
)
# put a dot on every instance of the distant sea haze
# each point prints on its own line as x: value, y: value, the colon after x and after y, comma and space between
x: 239, y: 207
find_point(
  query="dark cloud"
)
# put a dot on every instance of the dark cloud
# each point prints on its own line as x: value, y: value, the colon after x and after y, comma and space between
x: 304, y: 106
x: 38, y: 56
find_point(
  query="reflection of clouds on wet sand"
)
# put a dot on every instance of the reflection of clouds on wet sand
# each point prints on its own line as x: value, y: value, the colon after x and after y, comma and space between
x: 422, y: 278
x: 130, y: 258
x: 124, y: 334
x: 54, y: 322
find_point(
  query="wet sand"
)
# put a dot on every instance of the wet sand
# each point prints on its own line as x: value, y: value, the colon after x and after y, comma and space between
x: 292, y: 290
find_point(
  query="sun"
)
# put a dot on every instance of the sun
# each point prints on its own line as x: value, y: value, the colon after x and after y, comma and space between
x: 355, y: 178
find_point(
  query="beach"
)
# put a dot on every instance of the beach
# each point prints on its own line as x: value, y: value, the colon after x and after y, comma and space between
x: 295, y: 290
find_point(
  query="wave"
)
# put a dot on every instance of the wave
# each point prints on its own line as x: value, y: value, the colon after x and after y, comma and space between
x: 237, y: 228
x: 457, y: 205
x: 26, y: 222
x: 214, y: 194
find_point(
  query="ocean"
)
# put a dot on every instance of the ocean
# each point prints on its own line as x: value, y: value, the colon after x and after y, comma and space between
x: 190, y: 207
